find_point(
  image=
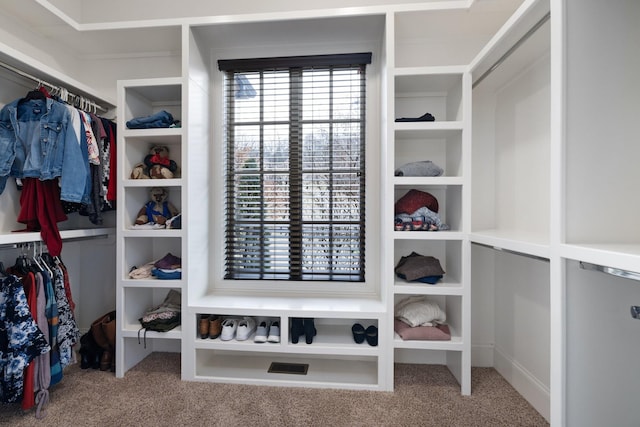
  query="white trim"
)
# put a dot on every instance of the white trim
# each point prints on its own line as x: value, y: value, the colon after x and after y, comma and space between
x: 525, y: 383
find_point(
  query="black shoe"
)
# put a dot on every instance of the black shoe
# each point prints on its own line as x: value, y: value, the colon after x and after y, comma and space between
x: 358, y: 333
x: 372, y: 335
x: 309, y: 330
x: 297, y: 329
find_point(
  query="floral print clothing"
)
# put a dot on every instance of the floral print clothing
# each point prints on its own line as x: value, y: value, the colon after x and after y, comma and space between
x: 68, y: 332
x: 20, y: 339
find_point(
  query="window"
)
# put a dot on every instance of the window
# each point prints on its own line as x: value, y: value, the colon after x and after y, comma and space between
x: 295, y: 168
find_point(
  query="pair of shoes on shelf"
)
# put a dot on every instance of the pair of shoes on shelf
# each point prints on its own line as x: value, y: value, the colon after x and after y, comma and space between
x: 268, y: 333
x: 303, y: 326
x: 360, y: 334
x: 240, y: 329
x: 209, y: 326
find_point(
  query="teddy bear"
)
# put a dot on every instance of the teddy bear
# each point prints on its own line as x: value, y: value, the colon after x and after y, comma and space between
x: 156, y: 165
x: 158, y: 210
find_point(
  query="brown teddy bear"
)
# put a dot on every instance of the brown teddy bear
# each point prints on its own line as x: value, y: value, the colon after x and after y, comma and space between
x: 156, y: 165
x: 158, y: 210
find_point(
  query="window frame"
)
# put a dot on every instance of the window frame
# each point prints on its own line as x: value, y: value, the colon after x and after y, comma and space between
x: 371, y: 287
x: 295, y: 68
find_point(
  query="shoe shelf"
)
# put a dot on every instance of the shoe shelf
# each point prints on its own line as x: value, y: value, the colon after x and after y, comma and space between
x: 241, y: 367
x: 333, y: 337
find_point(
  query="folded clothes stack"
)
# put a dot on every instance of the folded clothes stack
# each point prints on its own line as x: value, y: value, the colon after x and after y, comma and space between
x: 421, y: 268
x: 418, y: 318
x: 168, y: 267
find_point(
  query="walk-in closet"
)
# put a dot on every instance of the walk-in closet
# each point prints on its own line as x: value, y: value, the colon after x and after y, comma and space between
x: 525, y: 110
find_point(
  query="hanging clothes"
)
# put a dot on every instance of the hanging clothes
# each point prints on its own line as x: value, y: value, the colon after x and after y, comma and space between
x: 41, y: 210
x: 21, y: 341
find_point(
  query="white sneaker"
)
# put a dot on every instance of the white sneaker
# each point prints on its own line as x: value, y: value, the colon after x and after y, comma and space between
x: 229, y: 327
x: 274, y: 332
x: 246, y: 327
x: 261, y: 333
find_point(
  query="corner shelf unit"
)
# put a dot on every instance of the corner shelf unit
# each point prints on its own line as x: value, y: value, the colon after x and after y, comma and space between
x: 444, y: 92
x: 137, y: 247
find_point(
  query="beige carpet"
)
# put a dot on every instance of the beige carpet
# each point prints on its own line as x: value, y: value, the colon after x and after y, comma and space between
x: 152, y: 394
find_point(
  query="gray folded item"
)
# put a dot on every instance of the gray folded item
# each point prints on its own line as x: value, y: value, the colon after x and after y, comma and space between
x: 423, y: 168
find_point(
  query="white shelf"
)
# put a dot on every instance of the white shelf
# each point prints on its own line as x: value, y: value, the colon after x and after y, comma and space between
x: 402, y: 287
x: 65, y: 234
x: 162, y: 232
x: 428, y: 235
x: 410, y: 181
x: 252, y: 305
x: 455, y: 344
x: 152, y: 283
x: 620, y: 256
x: 437, y: 128
x: 330, y: 339
x: 513, y: 240
x: 133, y: 331
x: 251, y: 368
x: 154, y: 134
x: 173, y: 182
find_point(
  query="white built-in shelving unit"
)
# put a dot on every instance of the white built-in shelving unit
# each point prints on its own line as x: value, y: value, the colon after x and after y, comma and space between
x: 137, y: 247
x: 535, y: 104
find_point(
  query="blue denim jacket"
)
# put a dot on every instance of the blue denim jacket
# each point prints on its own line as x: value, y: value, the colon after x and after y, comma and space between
x: 38, y: 141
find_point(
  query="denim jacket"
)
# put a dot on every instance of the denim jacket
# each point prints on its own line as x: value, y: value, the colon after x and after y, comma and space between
x: 37, y: 141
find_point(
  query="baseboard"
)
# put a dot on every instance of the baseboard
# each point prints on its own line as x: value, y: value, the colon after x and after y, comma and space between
x: 532, y: 389
x: 482, y: 355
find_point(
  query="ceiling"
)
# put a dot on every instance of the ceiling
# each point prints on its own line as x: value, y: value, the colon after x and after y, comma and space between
x: 150, y: 27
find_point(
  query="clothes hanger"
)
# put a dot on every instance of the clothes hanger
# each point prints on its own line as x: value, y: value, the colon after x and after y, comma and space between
x: 43, y: 261
x: 22, y: 263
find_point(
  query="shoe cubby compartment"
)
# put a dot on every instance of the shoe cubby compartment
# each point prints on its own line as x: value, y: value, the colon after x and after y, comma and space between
x: 449, y: 199
x: 450, y: 255
x: 139, y: 251
x: 250, y: 341
x: 138, y: 146
x: 437, y: 94
x: 333, y: 333
x: 442, y: 146
x: 135, y: 199
x: 145, y: 100
x: 322, y: 371
x: 136, y: 301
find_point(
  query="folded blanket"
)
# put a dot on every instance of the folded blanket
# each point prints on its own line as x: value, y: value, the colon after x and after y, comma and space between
x: 423, y: 168
x: 431, y: 333
x: 419, y: 311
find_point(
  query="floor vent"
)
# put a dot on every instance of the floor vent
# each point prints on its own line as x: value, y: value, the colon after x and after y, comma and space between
x: 288, y: 368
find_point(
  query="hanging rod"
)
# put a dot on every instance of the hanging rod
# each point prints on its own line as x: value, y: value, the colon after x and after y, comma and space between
x: 512, y: 49
x: 610, y: 270
x: 68, y: 240
x: 51, y: 85
x: 509, y: 251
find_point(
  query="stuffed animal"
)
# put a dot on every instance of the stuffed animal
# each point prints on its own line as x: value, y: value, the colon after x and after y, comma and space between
x: 158, y: 210
x: 156, y: 165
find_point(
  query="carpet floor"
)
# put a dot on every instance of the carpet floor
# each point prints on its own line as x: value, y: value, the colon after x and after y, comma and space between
x: 152, y: 394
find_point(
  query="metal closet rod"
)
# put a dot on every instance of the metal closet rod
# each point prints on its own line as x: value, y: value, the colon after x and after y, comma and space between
x: 610, y: 270
x: 51, y: 85
x: 512, y: 49
x: 71, y: 239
